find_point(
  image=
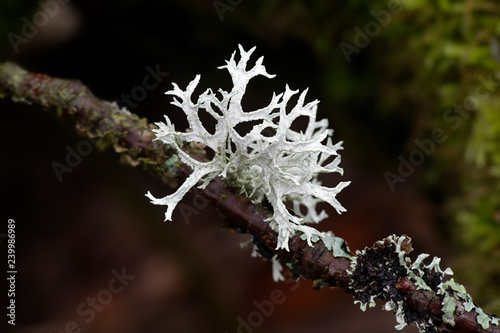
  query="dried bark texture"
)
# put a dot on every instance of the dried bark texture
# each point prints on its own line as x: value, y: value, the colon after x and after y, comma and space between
x: 132, y: 138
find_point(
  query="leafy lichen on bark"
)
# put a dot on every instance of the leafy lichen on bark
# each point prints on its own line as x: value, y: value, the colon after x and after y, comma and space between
x: 417, y: 293
x: 132, y: 138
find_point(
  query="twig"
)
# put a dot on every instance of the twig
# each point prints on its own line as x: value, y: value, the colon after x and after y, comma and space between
x: 132, y: 138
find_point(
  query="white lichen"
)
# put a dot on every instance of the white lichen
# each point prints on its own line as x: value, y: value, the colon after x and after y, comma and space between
x: 272, y: 161
x: 363, y: 306
x: 277, y: 269
x: 400, y: 317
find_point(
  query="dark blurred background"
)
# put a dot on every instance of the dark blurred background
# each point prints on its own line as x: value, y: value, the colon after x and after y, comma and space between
x: 387, y: 73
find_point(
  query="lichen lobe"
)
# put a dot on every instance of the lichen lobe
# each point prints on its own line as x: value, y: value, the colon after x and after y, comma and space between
x: 417, y: 293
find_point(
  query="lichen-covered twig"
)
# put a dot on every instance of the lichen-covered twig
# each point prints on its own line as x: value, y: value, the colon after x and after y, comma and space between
x: 272, y: 162
x: 105, y: 122
x: 381, y: 271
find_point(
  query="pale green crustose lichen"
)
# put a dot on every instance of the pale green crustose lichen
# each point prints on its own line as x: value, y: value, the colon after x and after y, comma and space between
x: 387, y: 261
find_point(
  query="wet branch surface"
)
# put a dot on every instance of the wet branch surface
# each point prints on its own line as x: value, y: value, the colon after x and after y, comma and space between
x: 132, y: 138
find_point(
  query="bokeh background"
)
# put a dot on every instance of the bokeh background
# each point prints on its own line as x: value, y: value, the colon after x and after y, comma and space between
x: 411, y: 75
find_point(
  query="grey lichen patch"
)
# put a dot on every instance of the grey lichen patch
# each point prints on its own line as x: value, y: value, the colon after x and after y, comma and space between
x: 375, y: 272
x: 385, y: 271
x: 13, y: 74
x: 482, y: 318
x: 336, y: 245
x: 448, y: 309
x: 455, y: 294
x: 12, y: 78
x: 172, y: 163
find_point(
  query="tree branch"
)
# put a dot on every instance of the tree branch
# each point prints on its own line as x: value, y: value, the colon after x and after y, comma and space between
x: 132, y: 138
